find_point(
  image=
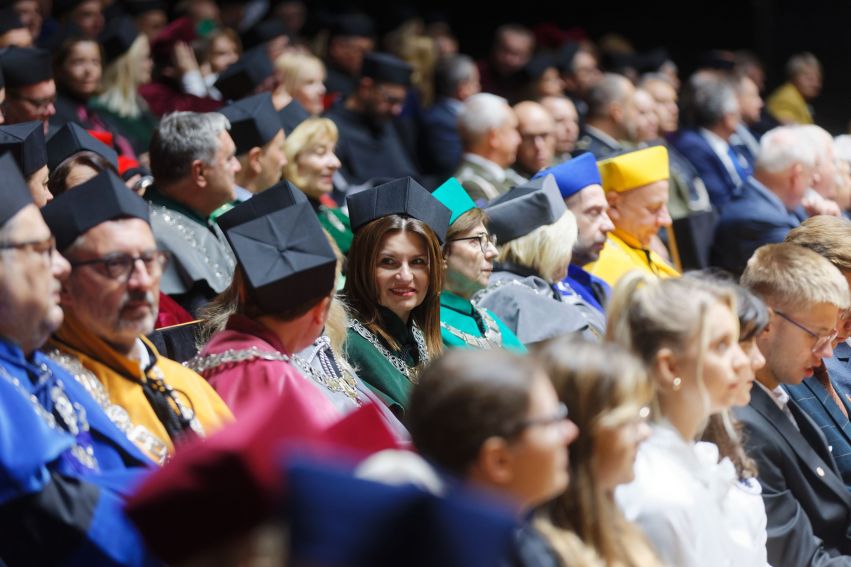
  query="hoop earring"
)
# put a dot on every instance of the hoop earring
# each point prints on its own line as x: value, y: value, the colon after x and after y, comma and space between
x: 677, y: 383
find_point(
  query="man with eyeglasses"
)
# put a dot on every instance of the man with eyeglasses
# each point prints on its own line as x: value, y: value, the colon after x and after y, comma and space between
x: 822, y: 396
x: 370, y: 146
x: 66, y: 467
x: 30, y: 90
x: 537, y: 139
x: 110, y: 300
x: 808, y: 506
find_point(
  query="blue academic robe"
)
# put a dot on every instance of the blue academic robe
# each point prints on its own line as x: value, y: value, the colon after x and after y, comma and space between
x: 592, y: 289
x: 55, y: 509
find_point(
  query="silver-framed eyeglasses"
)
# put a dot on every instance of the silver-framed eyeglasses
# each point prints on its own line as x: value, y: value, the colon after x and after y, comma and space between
x: 484, y: 239
x: 821, y: 340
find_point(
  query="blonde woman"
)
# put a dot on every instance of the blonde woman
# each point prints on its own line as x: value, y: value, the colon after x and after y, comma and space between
x: 311, y: 165
x: 301, y: 77
x: 607, y: 393
x: 118, y: 102
x: 686, y: 333
x: 535, y: 234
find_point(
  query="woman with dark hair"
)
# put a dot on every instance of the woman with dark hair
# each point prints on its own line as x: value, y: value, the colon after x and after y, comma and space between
x: 493, y: 420
x: 77, y: 169
x: 77, y: 69
x: 469, y: 253
x: 393, y: 284
x: 607, y: 393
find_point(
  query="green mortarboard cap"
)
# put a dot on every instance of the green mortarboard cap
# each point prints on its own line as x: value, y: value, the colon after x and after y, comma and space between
x: 454, y: 198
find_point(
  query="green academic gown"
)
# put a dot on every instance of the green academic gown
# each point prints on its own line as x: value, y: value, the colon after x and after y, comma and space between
x: 336, y: 222
x: 464, y: 326
x: 372, y: 359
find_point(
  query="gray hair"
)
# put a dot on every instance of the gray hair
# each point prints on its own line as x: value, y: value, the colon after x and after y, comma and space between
x: 611, y: 89
x: 480, y: 114
x: 180, y: 139
x: 820, y: 139
x: 452, y: 72
x: 713, y: 98
x: 801, y: 63
x: 783, y: 147
x: 842, y: 147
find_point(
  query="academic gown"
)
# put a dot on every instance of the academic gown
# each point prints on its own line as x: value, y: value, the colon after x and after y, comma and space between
x: 246, y: 361
x: 119, y: 378
x: 620, y: 257
x: 534, y: 310
x: 461, y: 323
x: 374, y: 367
x: 369, y: 151
x: 336, y: 222
x: 53, y: 508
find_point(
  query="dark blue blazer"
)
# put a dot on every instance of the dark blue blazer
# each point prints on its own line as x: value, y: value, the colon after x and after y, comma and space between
x: 749, y: 221
x: 840, y: 370
x: 815, y: 400
x: 441, y: 141
x: 807, y: 504
x: 720, y: 185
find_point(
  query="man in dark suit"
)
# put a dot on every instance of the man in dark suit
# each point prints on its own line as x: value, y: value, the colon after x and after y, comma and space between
x: 455, y: 80
x: 610, y: 109
x: 807, y: 505
x: 819, y: 395
x: 715, y: 115
x: 769, y: 203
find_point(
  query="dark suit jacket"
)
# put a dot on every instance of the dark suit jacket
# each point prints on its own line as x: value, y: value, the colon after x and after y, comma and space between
x: 441, y: 142
x: 815, y: 400
x: 719, y: 183
x: 807, y: 504
x: 840, y: 370
x: 749, y: 221
x: 590, y: 142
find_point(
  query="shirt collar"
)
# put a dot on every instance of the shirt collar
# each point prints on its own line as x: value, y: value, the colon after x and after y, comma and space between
x: 602, y: 136
x: 778, y: 395
x: 493, y: 169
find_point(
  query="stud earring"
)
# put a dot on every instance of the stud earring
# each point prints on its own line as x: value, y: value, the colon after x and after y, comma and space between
x: 677, y: 383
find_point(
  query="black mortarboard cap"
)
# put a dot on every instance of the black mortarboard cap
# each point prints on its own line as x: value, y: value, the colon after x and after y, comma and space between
x: 14, y: 191
x: 23, y: 66
x: 524, y: 208
x: 402, y: 196
x: 9, y: 20
x: 385, y: 68
x: 292, y: 115
x: 243, y: 77
x: 354, y: 24
x: 286, y: 257
x: 71, y: 139
x: 279, y: 196
x: 25, y: 141
x: 102, y: 198
x: 139, y: 7
x: 265, y: 31
x: 117, y: 38
x: 253, y: 121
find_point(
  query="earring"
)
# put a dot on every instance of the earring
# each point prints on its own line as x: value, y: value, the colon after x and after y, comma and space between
x: 677, y: 383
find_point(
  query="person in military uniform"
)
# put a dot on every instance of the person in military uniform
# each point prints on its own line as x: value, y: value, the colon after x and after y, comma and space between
x: 469, y: 252
x: 110, y: 305
x: 311, y: 166
x: 636, y: 186
x: 488, y: 128
x: 393, y: 286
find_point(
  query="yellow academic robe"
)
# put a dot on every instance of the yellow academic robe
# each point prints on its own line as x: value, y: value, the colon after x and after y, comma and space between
x: 787, y: 105
x: 76, y: 343
x: 618, y: 258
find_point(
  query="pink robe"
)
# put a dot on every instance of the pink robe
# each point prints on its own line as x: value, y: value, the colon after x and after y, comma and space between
x: 238, y: 383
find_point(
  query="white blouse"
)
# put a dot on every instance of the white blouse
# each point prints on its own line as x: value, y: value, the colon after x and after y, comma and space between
x: 678, y: 498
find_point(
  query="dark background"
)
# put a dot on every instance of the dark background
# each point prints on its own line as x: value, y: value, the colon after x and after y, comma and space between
x: 774, y: 30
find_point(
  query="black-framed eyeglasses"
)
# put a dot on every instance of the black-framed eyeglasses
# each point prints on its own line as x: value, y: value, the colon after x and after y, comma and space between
x: 484, y: 239
x: 120, y: 266
x: 559, y: 417
x: 821, y: 340
x: 39, y: 103
x: 44, y: 247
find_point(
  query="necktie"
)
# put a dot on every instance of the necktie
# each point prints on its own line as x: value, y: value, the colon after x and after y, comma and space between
x: 743, y: 170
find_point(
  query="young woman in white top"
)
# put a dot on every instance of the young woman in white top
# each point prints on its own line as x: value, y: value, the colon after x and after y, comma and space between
x: 687, y: 334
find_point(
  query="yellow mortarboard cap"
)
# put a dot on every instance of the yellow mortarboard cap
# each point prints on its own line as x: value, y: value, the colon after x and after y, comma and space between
x: 635, y: 169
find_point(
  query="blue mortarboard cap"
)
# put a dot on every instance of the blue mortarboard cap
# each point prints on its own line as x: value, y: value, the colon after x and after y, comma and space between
x: 524, y: 208
x: 402, y: 196
x: 396, y: 525
x: 574, y: 175
x: 102, y: 198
